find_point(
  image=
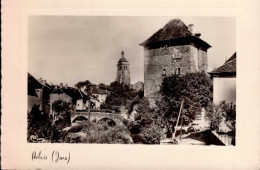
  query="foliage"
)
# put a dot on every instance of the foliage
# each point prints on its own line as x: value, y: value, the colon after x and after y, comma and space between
x: 101, y: 133
x: 83, y: 83
x: 222, y: 111
x: 215, y: 116
x: 230, y: 115
x: 76, y: 128
x: 102, y: 86
x: 152, y: 134
x: 119, y: 95
x: 146, y: 126
x: 62, y: 109
x: 195, y: 89
x: 40, y: 126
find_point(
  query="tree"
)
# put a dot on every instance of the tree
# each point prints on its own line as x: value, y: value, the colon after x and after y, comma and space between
x: 223, y: 111
x: 230, y: 115
x: 39, y: 126
x: 62, y: 109
x: 118, y: 96
x: 146, y: 126
x: 195, y: 89
x: 102, y: 86
x: 83, y: 83
x: 215, y: 116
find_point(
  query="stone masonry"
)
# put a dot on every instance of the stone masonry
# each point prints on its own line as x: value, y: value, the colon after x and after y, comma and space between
x: 185, y: 53
x: 123, y: 70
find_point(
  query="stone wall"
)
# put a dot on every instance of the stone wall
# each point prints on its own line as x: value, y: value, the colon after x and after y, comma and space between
x: 166, y: 60
x: 123, y: 75
x: 169, y: 58
x: 194, y: 59
x: 203, y: 60
x: 32, y: 100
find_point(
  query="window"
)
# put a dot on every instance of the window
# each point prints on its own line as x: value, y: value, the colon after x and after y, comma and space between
x: 164, y: 72
x: 176, y: 54
x: 177, y: 71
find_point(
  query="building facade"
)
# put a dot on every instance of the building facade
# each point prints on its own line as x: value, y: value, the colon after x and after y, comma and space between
x: 173, y: 49
x: 224, y: 82
x: 35, y: 93
x: 123, y: 70
x: 138, y: 86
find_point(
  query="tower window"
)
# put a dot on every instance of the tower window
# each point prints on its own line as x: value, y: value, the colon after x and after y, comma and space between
x: 164, y: 72
x: 177, y: 71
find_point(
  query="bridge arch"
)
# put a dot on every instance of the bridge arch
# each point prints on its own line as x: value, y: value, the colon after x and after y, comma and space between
x: 108, y: 121
x: 80, y: 119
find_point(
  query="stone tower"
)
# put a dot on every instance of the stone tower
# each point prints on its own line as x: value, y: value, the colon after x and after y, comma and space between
x: 123, y: 70
x: 173, y: 49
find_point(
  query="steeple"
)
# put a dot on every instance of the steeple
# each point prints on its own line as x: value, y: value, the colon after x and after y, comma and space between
x: 123, y: 71
x: 122, y: 59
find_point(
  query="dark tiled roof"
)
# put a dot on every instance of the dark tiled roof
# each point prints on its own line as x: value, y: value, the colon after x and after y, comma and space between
x: 47, y: 85
x: 228, y: 67
x: 96, y: 90
x: 173, y: 29
x: 122, y: 59
x: 234, y: 56
x: 32, y: 85
x: 75, y: 94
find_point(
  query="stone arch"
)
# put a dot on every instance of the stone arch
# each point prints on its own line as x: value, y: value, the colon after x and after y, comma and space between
x: 108, y: 121
x: 80, y: 118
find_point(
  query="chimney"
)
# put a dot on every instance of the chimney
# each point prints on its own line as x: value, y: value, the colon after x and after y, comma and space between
x: 43, y: 82
x: 198, y: 35
x: 61, y: 85
x: 66, y: 86
x: 190, y: 27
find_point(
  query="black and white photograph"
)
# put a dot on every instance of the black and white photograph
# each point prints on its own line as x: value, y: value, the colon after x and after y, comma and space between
x: 132, y: 80
x: 130, y: 84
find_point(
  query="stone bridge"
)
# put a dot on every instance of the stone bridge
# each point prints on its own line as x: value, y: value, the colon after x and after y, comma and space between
x: 96, y: 117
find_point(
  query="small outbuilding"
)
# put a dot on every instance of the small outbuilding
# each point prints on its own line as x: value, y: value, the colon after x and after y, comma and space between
x: 224, y: 82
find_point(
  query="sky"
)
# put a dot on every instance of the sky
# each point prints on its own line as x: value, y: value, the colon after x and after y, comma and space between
x: 69, y: 49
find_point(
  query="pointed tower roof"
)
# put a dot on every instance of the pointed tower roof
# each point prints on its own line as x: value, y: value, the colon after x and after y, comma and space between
x: 173, y: 29
x: 176, y: 30
x: 122, y: 59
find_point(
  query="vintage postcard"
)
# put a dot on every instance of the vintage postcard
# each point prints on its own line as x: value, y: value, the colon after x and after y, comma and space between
x: 105, y: 88
x: 96, y: 79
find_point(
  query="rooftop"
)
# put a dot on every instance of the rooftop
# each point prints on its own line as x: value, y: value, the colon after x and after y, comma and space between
x: 122, y: 59
x: 96, y: 90
x: 174, y: 29
x: 228, y: 67
x: 33, y: 84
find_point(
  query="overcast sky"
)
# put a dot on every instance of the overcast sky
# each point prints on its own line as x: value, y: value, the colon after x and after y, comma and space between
x: 69, y: 49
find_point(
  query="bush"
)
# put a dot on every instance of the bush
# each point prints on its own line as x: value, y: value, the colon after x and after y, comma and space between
x: 40, y: 127
x: 76, y: 128
x: 99, y: 133
x: 152, y: 135
x: 145, y: 127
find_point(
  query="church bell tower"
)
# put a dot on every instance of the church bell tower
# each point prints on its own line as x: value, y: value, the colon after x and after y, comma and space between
x: 123, y: 70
